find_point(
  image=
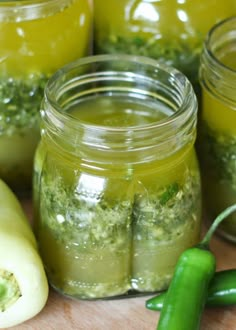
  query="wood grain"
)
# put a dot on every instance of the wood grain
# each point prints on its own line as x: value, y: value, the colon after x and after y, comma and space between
x: 63, y: 313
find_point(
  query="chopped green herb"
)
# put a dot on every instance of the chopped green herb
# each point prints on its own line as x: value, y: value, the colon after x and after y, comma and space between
x: 169, y: 193
x: 98, y: 232
x: 72, y: 218
x: 20, y: 102
x: 154, y: 215
x: 179, y: 54
x: 19, y: 128
x: 218, y: 154
x: 165, y: 220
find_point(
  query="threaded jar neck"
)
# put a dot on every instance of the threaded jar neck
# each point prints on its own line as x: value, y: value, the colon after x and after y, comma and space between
x: 217, y: 70
x: 24, y: 10
x: 124, y: 77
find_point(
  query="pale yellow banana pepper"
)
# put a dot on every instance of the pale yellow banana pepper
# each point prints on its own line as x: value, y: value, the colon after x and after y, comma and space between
x: 23, y: 282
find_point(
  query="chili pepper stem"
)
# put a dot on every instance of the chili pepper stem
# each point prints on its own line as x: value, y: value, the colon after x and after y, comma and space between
x: 224, y: 214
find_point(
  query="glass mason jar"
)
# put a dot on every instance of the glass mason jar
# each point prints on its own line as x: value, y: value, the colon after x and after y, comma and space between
x: 116, y: 182
x: 217, y: 128
x: 169, y: 30
x: 36, y: 38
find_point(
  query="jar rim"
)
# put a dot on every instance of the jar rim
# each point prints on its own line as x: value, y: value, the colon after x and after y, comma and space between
x: 216, y: 76
x: 172, y: 91
x: 208, y: 42
x: 23, y: 10
x: 187, y: 97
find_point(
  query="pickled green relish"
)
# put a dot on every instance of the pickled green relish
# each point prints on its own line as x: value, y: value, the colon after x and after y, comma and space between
x: 30, y: 53
x: 217, y: 150
x: 170, y: 31
x: 118, y: 227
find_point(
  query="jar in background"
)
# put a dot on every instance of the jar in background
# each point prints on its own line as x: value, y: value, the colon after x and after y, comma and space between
x: 116, y: 182
x: 169, y: 30
x: 36, y: 38
x: 217, y: 127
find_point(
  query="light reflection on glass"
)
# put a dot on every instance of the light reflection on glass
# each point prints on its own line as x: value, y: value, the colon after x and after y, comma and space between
x: 182, y: 15
x: 145, y: 11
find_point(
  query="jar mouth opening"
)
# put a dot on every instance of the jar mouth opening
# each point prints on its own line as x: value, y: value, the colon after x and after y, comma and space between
x: 24, y: 10
x: 220, y: 38
x: 106, y: 74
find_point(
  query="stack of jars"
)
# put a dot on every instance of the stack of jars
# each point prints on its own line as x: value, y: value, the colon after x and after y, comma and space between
x: 117, y: 188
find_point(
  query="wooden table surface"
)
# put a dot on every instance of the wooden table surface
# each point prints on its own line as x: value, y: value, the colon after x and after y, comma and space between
x: 61, y: 313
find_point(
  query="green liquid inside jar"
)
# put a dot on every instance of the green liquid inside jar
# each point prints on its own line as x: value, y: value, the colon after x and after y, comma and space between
x: 217, y: 151
x: 118, y: 227
x: 30, y: 53
x: 170, y: 31
x: 119, y: 112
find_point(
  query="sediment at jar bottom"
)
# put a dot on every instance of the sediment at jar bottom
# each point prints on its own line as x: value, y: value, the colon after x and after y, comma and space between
x: 86, y: 273
x: 153, y: 263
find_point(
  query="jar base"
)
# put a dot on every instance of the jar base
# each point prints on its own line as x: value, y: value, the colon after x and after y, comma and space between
x: 128, y: 294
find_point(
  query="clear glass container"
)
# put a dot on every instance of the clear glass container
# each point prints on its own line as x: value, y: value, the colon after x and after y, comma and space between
x: 116, y: 182
x: 36, y: 38
x: 217, y: 126
x: 169, y: 30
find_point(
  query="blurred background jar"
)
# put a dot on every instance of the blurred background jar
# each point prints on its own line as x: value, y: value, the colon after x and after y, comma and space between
x: 217, y: 127
x: 36, y: 38
x: 169, y: 30
x: 116, y: 184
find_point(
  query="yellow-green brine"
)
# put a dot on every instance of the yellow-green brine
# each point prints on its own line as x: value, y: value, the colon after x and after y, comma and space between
x: 169, y: 30
x: 37, y: 37
x: 217, y: 127
x: 116, y: 180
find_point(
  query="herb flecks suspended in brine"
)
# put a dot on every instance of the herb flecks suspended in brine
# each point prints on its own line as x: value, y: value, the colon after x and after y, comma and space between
x: 178, y: 54
x: 219, y: 150
x: 161, y: 215
x: 100, y: 232
x: 165, y: 222
x: 85, y: 218
x: 20, y: 103
x: 89, y: 232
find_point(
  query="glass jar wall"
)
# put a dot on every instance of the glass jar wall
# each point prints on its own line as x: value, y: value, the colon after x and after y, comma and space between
x: 217, y: 129
x: 36, y: 38
x: 116, y: 182
x: 169, y: 30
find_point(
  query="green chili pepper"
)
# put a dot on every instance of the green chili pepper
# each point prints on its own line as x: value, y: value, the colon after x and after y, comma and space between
x: 187, y: 293
x: 222, y: 292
